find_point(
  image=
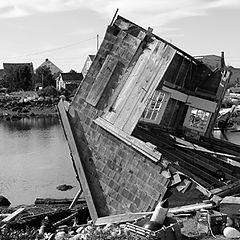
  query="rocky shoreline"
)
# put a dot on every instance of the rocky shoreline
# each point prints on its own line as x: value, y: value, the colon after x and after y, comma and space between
x: 17, y: 106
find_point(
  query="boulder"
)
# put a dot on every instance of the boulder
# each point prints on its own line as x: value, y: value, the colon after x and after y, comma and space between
x: 4, y: 202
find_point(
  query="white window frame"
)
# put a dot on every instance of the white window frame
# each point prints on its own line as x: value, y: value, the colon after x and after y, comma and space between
x: 188, y: 119
x: 153, y: 113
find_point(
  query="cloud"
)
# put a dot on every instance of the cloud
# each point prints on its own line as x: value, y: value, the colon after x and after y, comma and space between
x: 142, y: 11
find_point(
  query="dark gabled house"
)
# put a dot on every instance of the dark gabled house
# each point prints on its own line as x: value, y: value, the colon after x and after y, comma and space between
x: 53, y: 68
x: 8, y: 67
x: 69, y: 81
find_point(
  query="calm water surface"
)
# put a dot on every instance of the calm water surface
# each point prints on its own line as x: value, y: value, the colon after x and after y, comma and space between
x: 34, y: 160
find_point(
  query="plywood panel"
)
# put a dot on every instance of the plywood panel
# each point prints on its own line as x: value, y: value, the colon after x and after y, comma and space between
x: 150, y: 86
x: 130, y: 83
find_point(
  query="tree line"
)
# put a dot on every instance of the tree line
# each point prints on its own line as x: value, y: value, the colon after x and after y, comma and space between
x: 23, y: 78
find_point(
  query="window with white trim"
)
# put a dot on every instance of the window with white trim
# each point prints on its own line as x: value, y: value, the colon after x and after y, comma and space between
x: 155, y: 108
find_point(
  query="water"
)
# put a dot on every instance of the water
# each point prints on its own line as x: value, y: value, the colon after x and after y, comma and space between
x: 34, y: 160
x: 232, y: 136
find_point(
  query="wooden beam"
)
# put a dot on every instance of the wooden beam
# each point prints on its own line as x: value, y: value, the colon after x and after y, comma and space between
x: 51, y: 201
x: 127, y: 217
x: 13, y: 215
x: 65, y: 219
x: 76, y: 157
x: 227, y: 189
x: 76, y: 198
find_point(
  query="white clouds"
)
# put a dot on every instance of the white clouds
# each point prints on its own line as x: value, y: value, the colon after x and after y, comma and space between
x: 143, y: 11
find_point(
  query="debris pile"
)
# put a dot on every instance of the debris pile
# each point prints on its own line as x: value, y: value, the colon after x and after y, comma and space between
x: 204, y: 220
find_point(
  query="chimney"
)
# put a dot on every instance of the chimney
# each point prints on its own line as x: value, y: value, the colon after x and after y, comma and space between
x: 46, y: 59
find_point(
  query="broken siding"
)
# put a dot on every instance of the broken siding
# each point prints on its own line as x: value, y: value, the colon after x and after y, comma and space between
x: 117, y: 165
x: 142, y: 82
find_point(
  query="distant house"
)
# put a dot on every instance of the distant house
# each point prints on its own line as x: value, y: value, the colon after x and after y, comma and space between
x: 87, y: 64
x: 69, y: 81
x: 53, y: 68
x: 1, y: 74
x: 235, y: 77
x: 9, y: 67
x: 212, y: 61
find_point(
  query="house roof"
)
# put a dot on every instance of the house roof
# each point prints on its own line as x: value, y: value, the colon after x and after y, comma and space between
x: 73, y: 77
x: 235, y: 77
x: 53, y: 68
x: 9, y: 66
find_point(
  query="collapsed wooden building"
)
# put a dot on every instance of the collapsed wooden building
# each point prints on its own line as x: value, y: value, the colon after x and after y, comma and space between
x: 126, y: 122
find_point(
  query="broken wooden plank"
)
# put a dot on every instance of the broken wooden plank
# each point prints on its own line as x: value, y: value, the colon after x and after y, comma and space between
x: 102, y: 79
x: 51, y: 201
x: 65, y: 219
x: 76, y: 198
x: 176, y: 178
x: 190, y: 208
x: 183, y: 186
x: 13, y: 215
x: 227, y: 189
x: 120, y: 218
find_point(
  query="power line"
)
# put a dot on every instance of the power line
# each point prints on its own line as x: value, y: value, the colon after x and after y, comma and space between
x: 49, y: 50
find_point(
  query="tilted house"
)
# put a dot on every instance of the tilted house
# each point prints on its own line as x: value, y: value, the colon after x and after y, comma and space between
x: 69, y: 81
x: 137, y: 82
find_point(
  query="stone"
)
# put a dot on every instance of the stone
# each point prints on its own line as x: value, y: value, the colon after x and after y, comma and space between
x: 4, y: 202
x: 64, y: 187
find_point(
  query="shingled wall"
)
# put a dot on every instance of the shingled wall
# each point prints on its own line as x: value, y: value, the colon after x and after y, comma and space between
x: 120, y: 178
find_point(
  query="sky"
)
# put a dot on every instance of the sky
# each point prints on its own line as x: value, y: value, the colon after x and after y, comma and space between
x: 65, y: 31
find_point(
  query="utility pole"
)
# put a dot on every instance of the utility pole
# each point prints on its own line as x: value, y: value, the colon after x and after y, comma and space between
x: 97, y: 42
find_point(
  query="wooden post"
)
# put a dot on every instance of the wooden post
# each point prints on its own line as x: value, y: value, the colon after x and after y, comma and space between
x: 76, y: 198
x: 75, y: 154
